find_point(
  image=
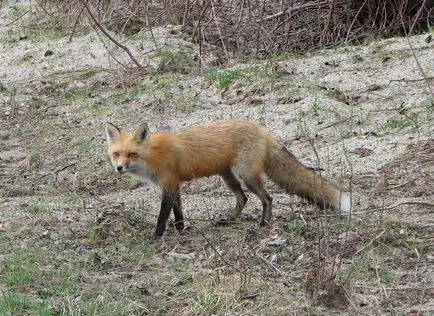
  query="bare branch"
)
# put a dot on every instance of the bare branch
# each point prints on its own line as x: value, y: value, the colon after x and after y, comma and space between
x: 95, y: 21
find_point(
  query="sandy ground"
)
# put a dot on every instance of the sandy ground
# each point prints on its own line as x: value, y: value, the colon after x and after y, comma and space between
x: 365, y: 115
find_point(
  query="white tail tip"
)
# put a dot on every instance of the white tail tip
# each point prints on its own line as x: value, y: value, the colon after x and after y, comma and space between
x: 345, y: 203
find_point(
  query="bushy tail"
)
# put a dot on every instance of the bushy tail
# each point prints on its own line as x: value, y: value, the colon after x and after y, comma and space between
x: 286, y: 171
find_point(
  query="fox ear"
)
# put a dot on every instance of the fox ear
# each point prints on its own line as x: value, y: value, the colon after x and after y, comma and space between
x: 112, y: 132
x: 141, y: 133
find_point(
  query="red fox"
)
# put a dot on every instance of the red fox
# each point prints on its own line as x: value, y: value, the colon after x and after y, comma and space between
x: 235, y: 150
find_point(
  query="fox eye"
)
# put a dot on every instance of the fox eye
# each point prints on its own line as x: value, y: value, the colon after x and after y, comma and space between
x: 115, y: 154
x: 133, y: 155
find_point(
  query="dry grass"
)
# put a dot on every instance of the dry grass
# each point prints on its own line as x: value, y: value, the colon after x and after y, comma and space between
x: 75, y: 239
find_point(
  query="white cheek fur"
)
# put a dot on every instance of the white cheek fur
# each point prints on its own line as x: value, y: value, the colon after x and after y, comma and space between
x: 142, y: 172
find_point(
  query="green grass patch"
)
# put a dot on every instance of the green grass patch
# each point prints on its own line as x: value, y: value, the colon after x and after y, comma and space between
x: 402, y: 121
x: 385, y: 224
x: 139, y: 252
x: 223, y: 77
x: 33, y: 26
x: 429, y: 105
x: 135, y: 93
x: 33, y: 161
x: 186, y: 102
x: 164, y: 81
x: 22, y: 268
x: 321, y: 112
x: 12, y: 304
x: 172, y: 59
x: 386, y: 276
x: 78, y: 95
x: 314, y: 109
x: 210, y: 301
x: 370, y: 267
x: 296, y: 227
x: 345, y: 223
x: 417, y: 241
x: 74, y: 199
x: 132, y: 93
x: 178, y: 265
x: 39, y: 209
x: 97, y: 109
x: 41, y: 33
x: 358, y: 270
x: 84, y: 145
x: 100, y: 171
x: 26, y: 60
x: 44, y: 270
x: 335, y: 93
x: 247, y: 73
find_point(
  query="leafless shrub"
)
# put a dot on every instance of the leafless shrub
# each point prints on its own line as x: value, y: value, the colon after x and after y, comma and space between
x: 238, y: 28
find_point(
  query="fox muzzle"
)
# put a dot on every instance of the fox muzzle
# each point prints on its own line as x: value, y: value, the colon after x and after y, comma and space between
x: 121, y: 169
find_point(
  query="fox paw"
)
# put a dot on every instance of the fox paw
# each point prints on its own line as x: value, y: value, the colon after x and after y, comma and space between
x: 179, y: 225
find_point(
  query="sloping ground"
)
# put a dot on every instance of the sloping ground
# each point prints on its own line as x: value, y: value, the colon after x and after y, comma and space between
x: 75, y: 238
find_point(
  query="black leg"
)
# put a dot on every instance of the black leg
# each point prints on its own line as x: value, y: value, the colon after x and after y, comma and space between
x: 256, y: 186
x: 177, y: 210
x: 234, y: 185
x: 167, y: 203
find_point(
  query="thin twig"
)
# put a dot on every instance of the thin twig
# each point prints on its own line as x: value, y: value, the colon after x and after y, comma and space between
x: 294, y: 9
x: 369, y: 211
x: 58, y: 170
x: 283, y: 274
x: 43, y: 9
x: 393, y: 187
x: 380, y: 285
x: 335, y: 123
x: 369, y: 244
x: 208, y: 241
x: 187, y: 8
x: 354, y: 20
x: 199, y: 20
x: 394, y: 288
x: 150, y: 25
x: 412, y: 50
x: 75, y: 25
x: 89, y: 12
x: 109, y: 52
x: 362, y: 249
x: 218, y: 30
x: 393, y: 206
x: 412, y: 80
x: 14, y: 20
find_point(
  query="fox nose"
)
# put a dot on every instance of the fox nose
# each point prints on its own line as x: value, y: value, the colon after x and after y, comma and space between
x: 119, y: 168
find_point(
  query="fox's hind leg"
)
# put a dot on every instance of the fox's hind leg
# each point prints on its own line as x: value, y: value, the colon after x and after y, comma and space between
x: 255, y: 185
x: 235, y: 186
x: 177, y: 210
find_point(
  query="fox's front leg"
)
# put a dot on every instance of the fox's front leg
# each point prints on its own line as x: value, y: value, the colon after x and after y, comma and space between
x: 171, y: 199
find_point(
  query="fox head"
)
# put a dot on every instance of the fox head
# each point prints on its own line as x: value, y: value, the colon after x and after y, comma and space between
x: 126, y: 148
